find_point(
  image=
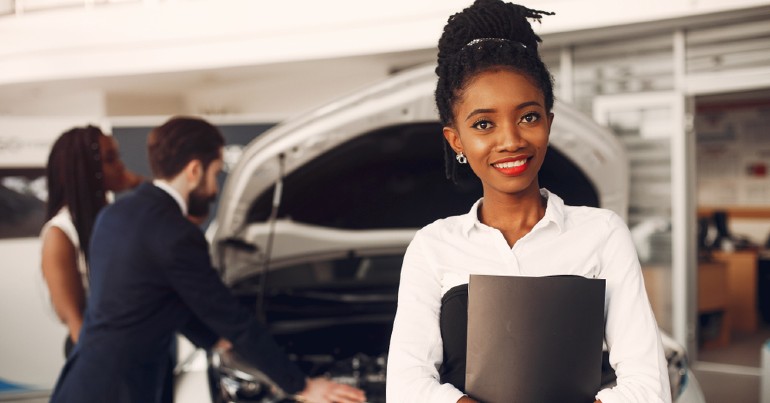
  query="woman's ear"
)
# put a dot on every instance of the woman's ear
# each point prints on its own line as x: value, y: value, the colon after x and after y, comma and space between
x: 550, y: 122
x: 453, y: 138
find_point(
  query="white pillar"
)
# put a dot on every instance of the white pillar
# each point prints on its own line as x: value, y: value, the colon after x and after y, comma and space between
x: 764, y: 379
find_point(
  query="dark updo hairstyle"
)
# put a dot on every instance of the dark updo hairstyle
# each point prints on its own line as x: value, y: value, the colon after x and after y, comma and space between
x: 75, y: 179
x: 489, y: 34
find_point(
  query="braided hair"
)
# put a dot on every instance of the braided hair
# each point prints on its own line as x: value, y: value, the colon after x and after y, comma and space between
x: 75, y: 179
x: 487, y: 35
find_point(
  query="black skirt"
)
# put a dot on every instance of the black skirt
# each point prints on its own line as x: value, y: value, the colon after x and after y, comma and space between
x: 454, y: 332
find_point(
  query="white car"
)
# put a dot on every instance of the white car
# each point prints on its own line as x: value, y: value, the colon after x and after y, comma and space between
x: 314, y: 220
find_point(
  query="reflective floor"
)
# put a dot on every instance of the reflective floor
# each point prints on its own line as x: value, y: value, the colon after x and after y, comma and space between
x: 27, y: 397
x: 727, y: 375
x: 733, y: 373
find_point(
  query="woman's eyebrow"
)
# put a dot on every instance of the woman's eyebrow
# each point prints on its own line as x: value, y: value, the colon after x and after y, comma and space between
x: 492, y: 110
x: 480, y: 111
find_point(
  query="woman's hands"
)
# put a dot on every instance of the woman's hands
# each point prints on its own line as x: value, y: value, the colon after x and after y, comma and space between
x: 60, y: 271
x: 322, y: 390
x: 466, y: 399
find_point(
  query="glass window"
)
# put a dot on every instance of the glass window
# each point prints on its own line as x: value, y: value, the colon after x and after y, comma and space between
x: 621, y: 67
x: 728, y: 47
x: 644, y: 125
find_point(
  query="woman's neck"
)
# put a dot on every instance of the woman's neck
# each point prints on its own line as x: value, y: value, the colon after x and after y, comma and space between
x: 513, y: 215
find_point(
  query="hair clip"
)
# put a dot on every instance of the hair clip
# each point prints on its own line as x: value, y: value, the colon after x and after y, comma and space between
x: 501, y: 40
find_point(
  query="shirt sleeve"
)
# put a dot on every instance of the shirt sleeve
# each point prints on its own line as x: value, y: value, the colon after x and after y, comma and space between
x: 416, y: 348
x: 631, y: 332
x: 188, y: 269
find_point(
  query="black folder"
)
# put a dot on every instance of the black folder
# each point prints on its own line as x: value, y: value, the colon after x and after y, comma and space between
x: 534, y: 339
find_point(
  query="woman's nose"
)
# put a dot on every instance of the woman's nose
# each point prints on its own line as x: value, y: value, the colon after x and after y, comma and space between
x: 510, y: 138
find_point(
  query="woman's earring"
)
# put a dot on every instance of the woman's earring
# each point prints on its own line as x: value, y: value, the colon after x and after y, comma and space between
x: 461, y: 158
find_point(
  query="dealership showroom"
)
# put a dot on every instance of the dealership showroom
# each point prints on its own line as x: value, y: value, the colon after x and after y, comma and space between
x: 661, y: 115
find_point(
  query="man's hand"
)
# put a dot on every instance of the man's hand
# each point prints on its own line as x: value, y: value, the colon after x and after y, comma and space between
x: 222, y: 345
x: 466, y: 399
x: 322, y: 390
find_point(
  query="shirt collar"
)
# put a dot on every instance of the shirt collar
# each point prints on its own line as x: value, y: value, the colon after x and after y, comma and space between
x: 173, y: 193
x: 554, y: 212
x: 469, y: 220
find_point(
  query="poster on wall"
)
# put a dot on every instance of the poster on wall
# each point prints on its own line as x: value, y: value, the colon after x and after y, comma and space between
x: 733, y: 154
x: 22, y: 202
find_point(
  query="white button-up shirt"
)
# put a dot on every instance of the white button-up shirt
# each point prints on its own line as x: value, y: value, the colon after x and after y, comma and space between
x: 581, y: 241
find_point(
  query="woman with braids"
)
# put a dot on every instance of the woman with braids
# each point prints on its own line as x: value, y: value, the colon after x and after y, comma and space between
x: 494, y: 96
x: 83, y: 165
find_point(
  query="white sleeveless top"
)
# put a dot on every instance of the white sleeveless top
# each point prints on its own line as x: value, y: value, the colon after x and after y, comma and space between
x: 63, y: 221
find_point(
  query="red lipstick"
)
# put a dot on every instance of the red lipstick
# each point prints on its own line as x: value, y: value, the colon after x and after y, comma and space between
x: 512, y: 166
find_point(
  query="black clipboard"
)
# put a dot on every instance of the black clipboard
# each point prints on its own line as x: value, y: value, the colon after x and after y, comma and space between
x: 534, y: 339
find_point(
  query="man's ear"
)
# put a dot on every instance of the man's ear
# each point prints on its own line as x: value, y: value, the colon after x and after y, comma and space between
x: 193, y: 173
x: 453, y: 138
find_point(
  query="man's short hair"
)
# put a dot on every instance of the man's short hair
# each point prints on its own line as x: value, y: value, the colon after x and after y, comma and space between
x: 171, y: 146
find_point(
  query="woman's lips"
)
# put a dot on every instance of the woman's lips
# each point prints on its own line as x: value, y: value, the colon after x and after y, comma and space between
x: 512, y: 167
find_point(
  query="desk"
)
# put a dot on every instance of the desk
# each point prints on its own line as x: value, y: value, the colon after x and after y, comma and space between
x: 713, y: 302
x: 741, y: 289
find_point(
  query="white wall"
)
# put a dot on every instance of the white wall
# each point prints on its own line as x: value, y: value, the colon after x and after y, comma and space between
x: 32, y: 340
x: 278, y: 96
x: 117, y: 104
x: 45, y: 101
x: 757, y: 230
x: 25, y: 141
x: 114, y: 60
x: 135, y: 38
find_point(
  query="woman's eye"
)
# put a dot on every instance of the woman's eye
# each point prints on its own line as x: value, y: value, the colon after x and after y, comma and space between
x: 531, y: 117
x: 482, y: 125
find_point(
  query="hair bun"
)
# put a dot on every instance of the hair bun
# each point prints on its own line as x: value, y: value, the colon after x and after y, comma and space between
x: 489, y: 19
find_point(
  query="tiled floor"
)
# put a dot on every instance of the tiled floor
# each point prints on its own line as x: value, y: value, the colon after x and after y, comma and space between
x: 722, y: 387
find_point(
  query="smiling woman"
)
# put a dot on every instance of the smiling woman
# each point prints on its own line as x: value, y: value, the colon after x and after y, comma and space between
x: 495, y: 100
x: 503, y: 134
x: 362, y: 176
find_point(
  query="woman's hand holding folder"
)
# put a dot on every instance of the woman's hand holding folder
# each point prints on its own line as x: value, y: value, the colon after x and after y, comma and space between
x: 466, y: 399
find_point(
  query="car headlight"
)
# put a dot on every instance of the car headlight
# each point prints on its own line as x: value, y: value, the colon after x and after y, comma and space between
x: 240, y: 382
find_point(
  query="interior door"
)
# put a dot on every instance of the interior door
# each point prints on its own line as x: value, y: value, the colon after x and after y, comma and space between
x: 654, y: 130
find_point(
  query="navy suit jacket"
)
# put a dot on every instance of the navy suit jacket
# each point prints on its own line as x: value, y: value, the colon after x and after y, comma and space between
x: 151, y: 276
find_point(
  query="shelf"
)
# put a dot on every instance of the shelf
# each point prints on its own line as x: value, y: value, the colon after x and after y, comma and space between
x: 736, y: 211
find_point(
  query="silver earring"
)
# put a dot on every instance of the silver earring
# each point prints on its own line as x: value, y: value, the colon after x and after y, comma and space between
x: 461, y: 158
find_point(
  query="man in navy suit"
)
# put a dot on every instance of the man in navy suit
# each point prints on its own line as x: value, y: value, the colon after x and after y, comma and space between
x: 151, y: 276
